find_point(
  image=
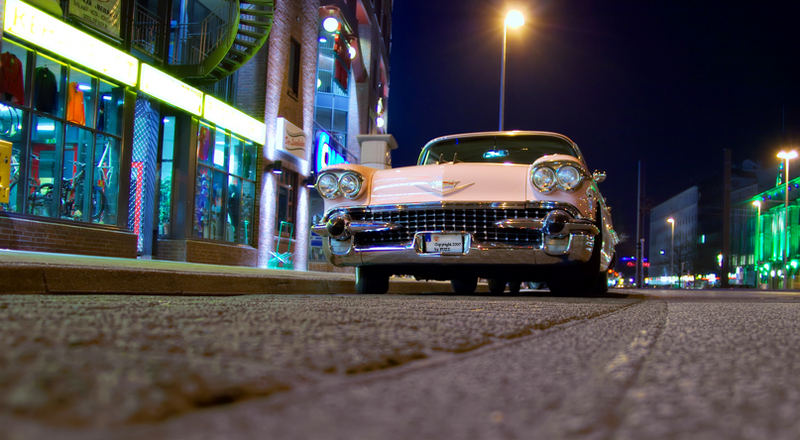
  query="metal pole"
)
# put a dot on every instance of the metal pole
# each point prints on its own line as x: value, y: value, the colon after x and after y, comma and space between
x: 639, y: 239
x: 672, y: 250
x: 503, y: 77
x: 786, y: 227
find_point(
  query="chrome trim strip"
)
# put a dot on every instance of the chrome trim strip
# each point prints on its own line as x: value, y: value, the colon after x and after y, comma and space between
x: 572, y: 210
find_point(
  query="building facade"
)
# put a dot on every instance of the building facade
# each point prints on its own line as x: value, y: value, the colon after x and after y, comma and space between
x: 155, y: 129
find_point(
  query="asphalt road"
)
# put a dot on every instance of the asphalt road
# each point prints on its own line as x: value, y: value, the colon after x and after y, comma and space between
x: 710, y: 364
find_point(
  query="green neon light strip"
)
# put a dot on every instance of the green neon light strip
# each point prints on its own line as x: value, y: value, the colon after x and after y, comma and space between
x: 41, y: 29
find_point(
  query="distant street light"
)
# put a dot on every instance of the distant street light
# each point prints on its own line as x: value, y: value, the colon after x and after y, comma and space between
x: 671, y: 222
x: 786, y: 156
x: 514, y: 19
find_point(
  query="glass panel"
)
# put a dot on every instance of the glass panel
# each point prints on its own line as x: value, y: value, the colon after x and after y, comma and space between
x: 339, y: 120
x: 165, y: 183
x: 205, y: 137
x: 13, y: 61
x: 45, y: 139
x: 220, y: 145
x: 47, y: 86
x: 324, y: 82
x: 81, y: 98
x: 235, y: 160
x: 249, y: 161
x: 323, y: 117
x: 202, y: 203
x: 75, y: 192
x: 248, y: 204
x: 105, y: 187
x: 218, y: 194
x: 233, y: 220
x: 12, y: 122
x: 109, y: 108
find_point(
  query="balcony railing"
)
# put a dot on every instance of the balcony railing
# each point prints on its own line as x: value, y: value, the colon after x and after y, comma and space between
x: 148, y: 32
x: 190, y: 43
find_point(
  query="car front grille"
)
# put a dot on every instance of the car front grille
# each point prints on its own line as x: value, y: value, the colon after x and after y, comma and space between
x: 480, y: 222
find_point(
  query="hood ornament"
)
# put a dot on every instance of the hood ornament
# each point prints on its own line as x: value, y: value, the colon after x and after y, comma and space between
x: 444, y: 187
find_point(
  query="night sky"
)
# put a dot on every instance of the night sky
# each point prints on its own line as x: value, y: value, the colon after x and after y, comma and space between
x: 670, y: 83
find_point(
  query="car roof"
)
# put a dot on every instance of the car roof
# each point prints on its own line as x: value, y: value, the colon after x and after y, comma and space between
x: 509, y: 133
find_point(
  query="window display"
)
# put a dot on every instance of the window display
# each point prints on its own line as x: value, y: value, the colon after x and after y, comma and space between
x: 68, y: 167
x: 224, y: 187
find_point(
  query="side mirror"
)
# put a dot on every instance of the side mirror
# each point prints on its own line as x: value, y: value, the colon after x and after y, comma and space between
x: 599, y: 176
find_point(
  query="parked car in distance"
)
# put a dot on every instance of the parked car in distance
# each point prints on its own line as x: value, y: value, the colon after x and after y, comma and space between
x: 510, y: 206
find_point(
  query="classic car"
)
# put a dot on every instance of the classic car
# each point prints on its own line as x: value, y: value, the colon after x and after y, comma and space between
x: 508, y: 207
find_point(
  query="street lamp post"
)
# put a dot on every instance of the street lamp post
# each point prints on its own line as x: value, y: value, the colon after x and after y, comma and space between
x: 513, y: 19
x: 786, y: 156
x: 671, y: 222
x: 757, y: 250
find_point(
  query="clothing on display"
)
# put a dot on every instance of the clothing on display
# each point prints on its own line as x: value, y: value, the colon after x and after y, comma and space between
x: 12, y: 87
x: 75, y: 110
x: 45, y: 96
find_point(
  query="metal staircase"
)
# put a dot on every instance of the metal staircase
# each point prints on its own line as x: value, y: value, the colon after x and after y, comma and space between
x: 246, y: 34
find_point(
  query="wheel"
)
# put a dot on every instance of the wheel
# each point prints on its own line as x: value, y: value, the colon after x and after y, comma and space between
x: 497, y: 286
x: 464, y: 286
x: 586, y: 279
x: 98, y: 202
x: 514, y: 286
x: 370, y: 280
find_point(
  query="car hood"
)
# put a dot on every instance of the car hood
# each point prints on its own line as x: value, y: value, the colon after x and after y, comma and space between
x: 454, y: 182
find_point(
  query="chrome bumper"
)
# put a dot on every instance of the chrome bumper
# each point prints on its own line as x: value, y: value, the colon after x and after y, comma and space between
x: 559, y: 249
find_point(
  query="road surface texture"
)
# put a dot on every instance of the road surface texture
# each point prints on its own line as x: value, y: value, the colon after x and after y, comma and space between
x: 647, y: 365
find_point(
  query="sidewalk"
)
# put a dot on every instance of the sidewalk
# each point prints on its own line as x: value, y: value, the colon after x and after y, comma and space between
x: 24, y: 272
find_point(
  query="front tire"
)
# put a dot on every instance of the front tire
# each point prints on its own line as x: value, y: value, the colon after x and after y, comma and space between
x: 371, y: 281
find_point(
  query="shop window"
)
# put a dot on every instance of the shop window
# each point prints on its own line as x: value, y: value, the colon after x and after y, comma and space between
x: 287, y: 198
x: 225, y: 187
x: 109, y: 108
x: 69, y: 167
x: 45, y: 141
x: 81, y: 92
x: 105, y: 180
x: 165, y: 181
x: 47, y: 85
x: 13, y: 64
x: 13, y: 123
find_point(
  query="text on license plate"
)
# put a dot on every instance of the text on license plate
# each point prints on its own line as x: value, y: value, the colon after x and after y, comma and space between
x: 444, y: 243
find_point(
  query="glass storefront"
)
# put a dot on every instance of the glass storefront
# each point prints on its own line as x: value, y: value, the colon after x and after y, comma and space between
x: 65, y: 137
x: 224, y: 186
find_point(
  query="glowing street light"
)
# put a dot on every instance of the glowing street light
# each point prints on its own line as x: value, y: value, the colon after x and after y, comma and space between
x: 671, y: 222
x: 786, y: 156
x: 514, y: 19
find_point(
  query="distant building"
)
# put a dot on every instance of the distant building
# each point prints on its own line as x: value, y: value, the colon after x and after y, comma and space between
x: 692, y: 254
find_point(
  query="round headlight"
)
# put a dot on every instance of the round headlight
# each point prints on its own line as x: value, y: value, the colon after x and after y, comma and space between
x: 328, y: 185
x: 350, y: 184
x: 568, y: 177
x: 543, y: 178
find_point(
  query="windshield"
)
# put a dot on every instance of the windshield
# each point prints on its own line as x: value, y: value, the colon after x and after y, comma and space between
x: 499, y: 149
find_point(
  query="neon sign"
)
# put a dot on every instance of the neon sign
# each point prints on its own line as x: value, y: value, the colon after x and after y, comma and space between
x: 326, y: 155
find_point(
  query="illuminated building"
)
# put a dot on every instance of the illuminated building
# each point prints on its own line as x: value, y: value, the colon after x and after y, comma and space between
x: 152, y: 129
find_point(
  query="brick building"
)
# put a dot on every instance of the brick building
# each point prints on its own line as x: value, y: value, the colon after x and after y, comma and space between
x: 160, y: 136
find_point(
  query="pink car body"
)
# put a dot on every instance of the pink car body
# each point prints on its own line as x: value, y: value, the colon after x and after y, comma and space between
x: 511, y: 230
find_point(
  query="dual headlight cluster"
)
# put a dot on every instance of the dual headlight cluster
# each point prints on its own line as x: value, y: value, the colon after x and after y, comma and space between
x: 345, y: 183
x: 550, y: 176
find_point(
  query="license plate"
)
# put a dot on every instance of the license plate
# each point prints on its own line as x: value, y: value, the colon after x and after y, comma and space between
x: 435, y: 243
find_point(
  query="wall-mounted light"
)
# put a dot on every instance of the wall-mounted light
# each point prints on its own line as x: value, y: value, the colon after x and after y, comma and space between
x: 276, y: 167
x: 330, y: 24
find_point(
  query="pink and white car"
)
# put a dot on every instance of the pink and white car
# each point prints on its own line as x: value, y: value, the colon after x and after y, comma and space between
x: 507, y: 206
